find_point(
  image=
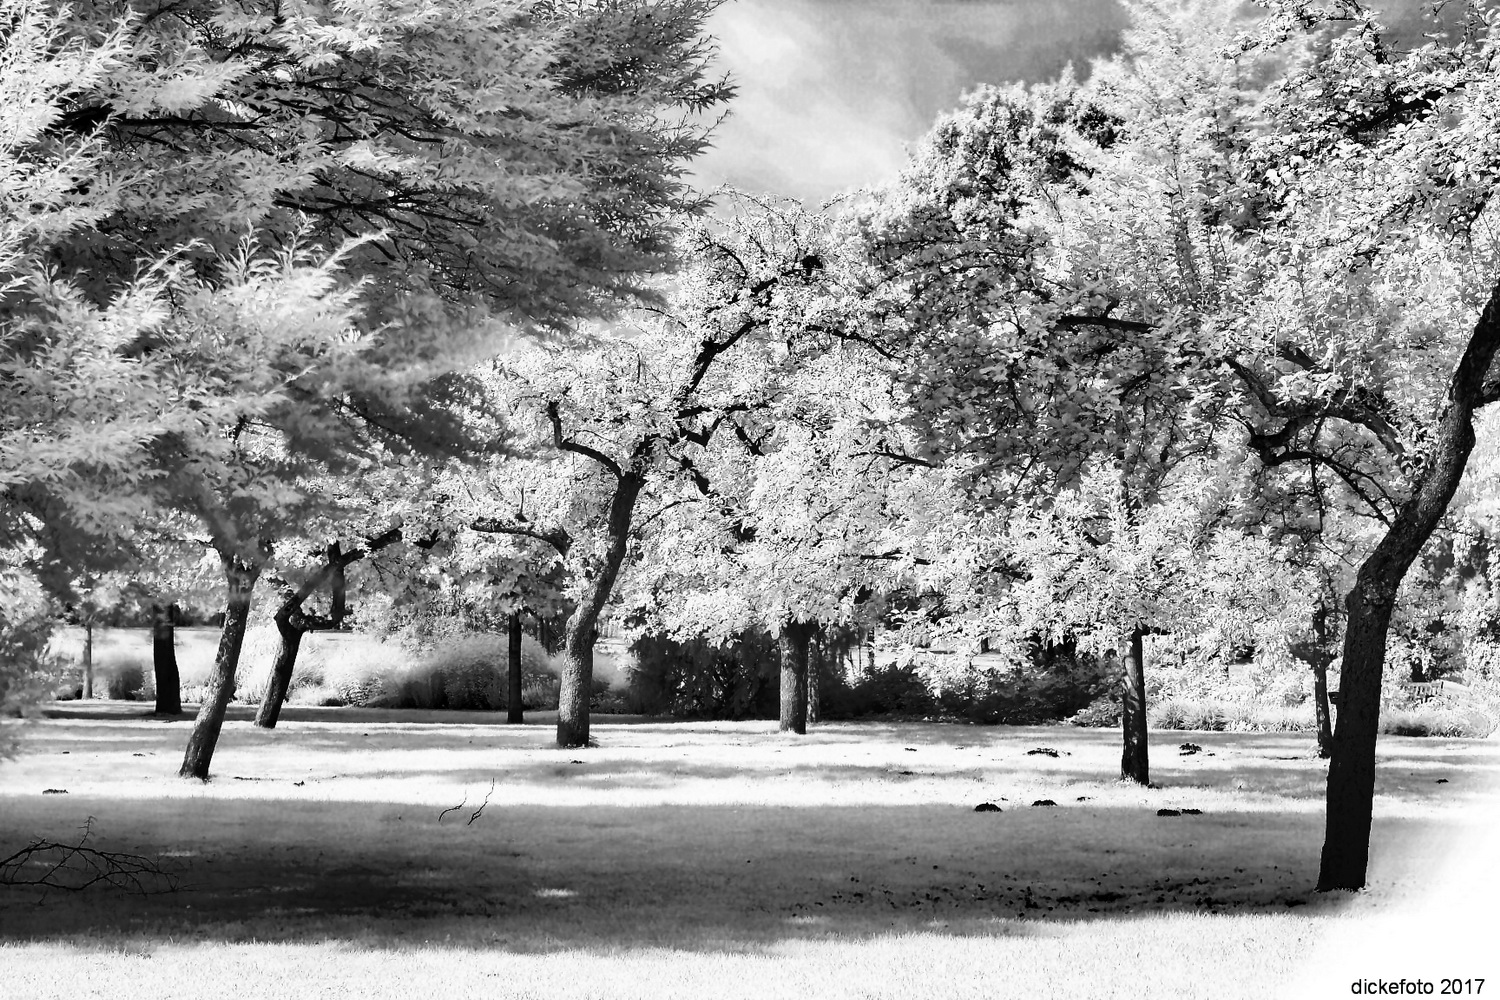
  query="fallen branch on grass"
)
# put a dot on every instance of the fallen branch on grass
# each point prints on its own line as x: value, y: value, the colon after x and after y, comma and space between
x: 477, y: 812
x: 76, y: 867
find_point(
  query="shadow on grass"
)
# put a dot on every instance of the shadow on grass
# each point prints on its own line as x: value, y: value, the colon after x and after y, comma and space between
x: 541, y: 879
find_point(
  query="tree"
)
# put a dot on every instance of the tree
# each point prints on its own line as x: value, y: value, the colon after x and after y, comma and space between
x: 76, y: 408
x: 263, y: 350
x: 622, y: 422
x: 526, y: 158
x: 521, y: 167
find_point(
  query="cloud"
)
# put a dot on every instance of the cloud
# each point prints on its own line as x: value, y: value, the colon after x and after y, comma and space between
x: 830, y: 91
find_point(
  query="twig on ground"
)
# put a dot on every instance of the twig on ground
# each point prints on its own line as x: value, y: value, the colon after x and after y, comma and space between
x: 76, y: 867
x: 454, y: 808
x: 478, y: 812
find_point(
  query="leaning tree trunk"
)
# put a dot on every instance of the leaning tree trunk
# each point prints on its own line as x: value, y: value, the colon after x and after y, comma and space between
x: 292, y: 623
x: 1351, y: 773
x: 578, y: 635
x: 240, y: 577
x: 1133, y: 762
x: 164, y: 660
x: 514, y: 710
x: 793, y: 641
x: 290, y: 628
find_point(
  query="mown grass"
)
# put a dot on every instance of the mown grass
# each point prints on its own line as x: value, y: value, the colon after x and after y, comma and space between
x: 687, y: 860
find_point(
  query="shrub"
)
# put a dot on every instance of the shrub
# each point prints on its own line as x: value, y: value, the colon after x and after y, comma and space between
x: 1443, y: 722
x: 463, y: 672
x: 892, y: 690
x: 127, y: 680
x: 1101, y: 713
x: 1168, y: 714
x: 698, y: 678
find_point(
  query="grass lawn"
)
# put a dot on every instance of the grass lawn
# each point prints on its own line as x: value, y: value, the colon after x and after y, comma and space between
x: 726, y: 860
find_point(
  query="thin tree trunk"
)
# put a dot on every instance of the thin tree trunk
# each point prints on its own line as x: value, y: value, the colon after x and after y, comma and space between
x: 1351, y: 772
x: 164, y: 659
x: 240, y: 578
x: 88, y: 660
x: 1133, y: 762
x: 290, y: 628
x: 793, y: 641
x: 338, y: 603
x: 578, y: 636
x: 1320, y: 707
x: 514, y: 709
x: 815, y: 668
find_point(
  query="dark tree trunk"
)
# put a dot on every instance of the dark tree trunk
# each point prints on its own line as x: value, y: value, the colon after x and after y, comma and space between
x: 292, y: 623
x: 164, y: 659
x: 514, y: 709
x: 338, y: 604
x: 1320, y: 707
x: 816, y: 652
x: 578, y: 636
x: 1133, y: 762
x: 290, y: 628
x: 1351, y: 772
x: 793, y: 642
x: 240, y: 578
x: 88, y: 660
x: 869, y: 650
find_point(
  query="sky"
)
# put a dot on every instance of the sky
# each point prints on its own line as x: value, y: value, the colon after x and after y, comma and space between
x: 830, y: 91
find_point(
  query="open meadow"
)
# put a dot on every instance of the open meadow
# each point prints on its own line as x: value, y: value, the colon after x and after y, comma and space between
x: 680, y: 859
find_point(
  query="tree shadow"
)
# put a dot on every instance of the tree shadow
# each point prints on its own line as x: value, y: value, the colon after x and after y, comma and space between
x: 694, y: 877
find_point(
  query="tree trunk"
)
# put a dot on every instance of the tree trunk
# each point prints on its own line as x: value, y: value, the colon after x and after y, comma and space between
x: 870, y: 651
x: 290, y: 630
x: 1320, y: 707
x: 240, y: 578
x: 1351, y: 772
x: 1133, y: 762
x: 338, y: 604
x: 88, y: 661
x: 815, y: 668
x: 164, y: 659
x: 578, y: 636
x: 793, y: 641
x: 514, y: 709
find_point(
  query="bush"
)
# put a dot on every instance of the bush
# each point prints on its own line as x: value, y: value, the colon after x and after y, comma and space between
x: 464, y: 673
x: 127, y: 680
x: 893, y: 690
x: 697, y: 678
x: 1443, y: 722
x: 1168, y: 714
x: 1099, y: 714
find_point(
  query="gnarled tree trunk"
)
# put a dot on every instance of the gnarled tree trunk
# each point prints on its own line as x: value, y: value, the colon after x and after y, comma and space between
x: 514, y: 710
x: 793, y: 641
x: 1351, y: 773
x: 578, y: 636
x: 240, y: 577
x: 290, y: 628
x: 164, y: 659
x: 1134, y: 764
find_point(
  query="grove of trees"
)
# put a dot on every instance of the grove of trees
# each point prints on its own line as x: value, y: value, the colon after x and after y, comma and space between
x: 1183, y: 351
